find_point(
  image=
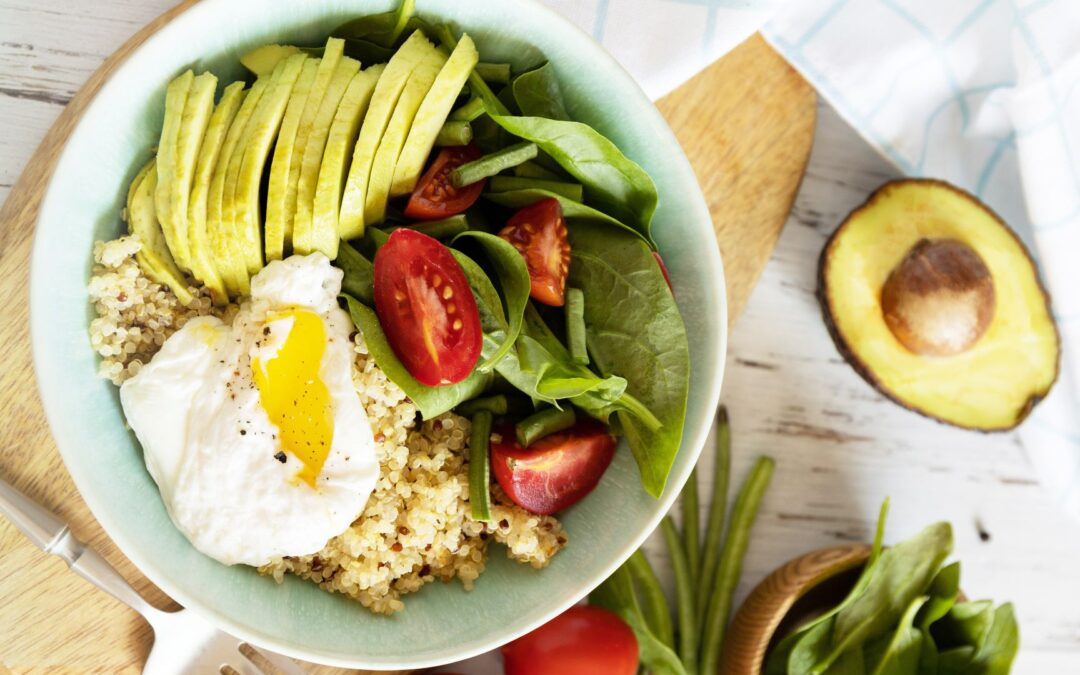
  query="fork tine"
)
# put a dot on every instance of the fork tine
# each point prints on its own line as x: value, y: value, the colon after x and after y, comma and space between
x: 270, y: 664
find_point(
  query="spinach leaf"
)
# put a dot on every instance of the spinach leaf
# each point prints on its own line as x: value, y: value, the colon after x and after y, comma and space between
x: 903, y: 573
x: 513, y: 278
x: 538, y: 95
x: 430, y: 401
x: 898, y: 654
x: 998, y: 645
x: 617, y: 595
x: 381, y: 29
x: 612, y: 181
x: 572, y: 210
x: 977, y: 638
x: 943, y: 592
x: 634, y: 329
x: 359, y: 274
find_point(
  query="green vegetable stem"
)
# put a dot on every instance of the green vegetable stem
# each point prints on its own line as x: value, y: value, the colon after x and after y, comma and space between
x: 479, y: 466
x: 470, y: 111
x: 508, y: 183
x: 494, y: 73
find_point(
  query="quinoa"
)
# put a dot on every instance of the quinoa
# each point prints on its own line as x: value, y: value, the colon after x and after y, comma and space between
x: 415, y: 528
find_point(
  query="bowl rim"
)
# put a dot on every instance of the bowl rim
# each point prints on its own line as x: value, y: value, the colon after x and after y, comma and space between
x: 693, y: 438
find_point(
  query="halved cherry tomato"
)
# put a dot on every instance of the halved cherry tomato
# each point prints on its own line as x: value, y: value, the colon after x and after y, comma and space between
x: 426, y: 308
x: 555, y: 472
x: 538, y: 231
x: 583, y: 640
x: 663, y: 270
x: 435, y: 197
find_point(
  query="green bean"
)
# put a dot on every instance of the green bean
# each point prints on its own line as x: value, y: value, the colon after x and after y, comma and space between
x: 714, y: 527
x: 534, y: 170
x: 491, y: 164
x: 731, y: 560
x: 690, y: 529
x: 496, y: 73
x: 684, y: 596
x: 479, y: 466
x: 505, y: 183
x: 467, y: 113
x: 540, y: 424
x: 654, y: 605
x: 442, y: 229
x: 575, y: 326
x: 496, y: 405
x: 454, y: 133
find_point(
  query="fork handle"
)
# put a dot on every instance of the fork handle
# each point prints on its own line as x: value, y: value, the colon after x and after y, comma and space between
x: 89, y: 564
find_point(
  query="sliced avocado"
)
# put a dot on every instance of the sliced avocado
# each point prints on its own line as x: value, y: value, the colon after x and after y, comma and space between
x: 262, y: 129
x: 197, y: 110
x: 154, y: 257
x: 203, y: 264
x: 276, y: 192
x: 432, y: 115
x: 383, y: 101
x: 303, y: 239
x: 218, y: 222
x: 262, y: 60
x: 342, y: 136
x: 175, y: 98
x: 386, y: 157
x: 331, y: 57
x: 135, y: 183
x: 936, y: 303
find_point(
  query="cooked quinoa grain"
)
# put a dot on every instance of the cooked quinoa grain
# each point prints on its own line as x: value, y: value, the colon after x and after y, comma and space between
x: 416, y: 526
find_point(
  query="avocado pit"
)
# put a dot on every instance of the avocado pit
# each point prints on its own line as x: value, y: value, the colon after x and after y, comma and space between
x: 940, y: 299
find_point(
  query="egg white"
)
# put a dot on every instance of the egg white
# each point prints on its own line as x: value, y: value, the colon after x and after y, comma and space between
x: 211, y: 447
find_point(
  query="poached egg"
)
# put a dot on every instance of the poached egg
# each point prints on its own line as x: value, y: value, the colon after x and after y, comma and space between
x: 253, y: 431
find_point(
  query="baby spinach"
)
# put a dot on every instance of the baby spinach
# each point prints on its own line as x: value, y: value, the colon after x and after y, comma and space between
x: 538, y: 95
x: 634, y: 330
x: 897, y: 654
x: 430, y: 401
x: 383, y: 29
x: 358, y: 278
x: 612, y: 181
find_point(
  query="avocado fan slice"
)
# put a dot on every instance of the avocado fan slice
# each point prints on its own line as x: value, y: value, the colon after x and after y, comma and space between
x: 218, y: 222
x: 332, y: 55
x: 189, y: 140
x: 153, y: 257
x: 342, y: 136
x: 432, y: 115
x: 393, y: 140
x: 383, y: 101
x: 938, y: 304
x: 276, y: 192
x: 203, y: 265
x: 176, y: 94
x: 303, y: 239
x: 262, y: 60
x: 262, y: 129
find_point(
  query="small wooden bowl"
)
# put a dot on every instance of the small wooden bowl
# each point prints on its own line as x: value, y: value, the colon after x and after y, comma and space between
x: 798, y: 591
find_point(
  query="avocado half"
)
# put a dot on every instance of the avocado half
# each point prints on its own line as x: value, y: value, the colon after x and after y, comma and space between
x: 938, y: 305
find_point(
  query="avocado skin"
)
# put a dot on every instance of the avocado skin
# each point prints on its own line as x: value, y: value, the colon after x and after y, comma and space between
x: 863, y: 369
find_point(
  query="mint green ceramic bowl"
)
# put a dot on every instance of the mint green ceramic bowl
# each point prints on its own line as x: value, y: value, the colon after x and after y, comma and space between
x: 441, y: 623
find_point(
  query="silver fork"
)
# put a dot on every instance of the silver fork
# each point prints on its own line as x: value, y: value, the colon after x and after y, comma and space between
x: 183, y: 642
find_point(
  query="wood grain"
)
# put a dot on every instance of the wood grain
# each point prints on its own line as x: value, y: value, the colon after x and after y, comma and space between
x: 747, y: 125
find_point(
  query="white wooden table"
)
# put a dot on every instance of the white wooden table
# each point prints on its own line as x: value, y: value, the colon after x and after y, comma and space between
x: 840, y: 447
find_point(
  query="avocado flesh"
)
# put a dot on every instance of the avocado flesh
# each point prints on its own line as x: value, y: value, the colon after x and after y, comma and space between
x: 262, y: 129
x: 383, y: 101
x: 303, y: 236
x: 397, y: 131
x: 332, y: 55
x: 342, y: 136
x: 994, y: 383
x: 154, y: 258
x: 189, y: 141
x: 262, y: 60
x: 203, y: 265
x: 176, y: 94
x: 218, y: 222
x: 431, y: 116
x: 276, y: 193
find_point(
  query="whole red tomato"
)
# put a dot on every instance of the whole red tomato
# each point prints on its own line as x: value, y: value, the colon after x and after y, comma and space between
x: 583, y: 640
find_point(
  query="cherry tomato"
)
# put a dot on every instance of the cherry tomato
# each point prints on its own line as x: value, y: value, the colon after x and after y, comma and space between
x: 538, y: 231
x: 663, y: 269
x: 435, y: 197
x: 426, y: 308
x: 583, y: 640
x: 555, y: 472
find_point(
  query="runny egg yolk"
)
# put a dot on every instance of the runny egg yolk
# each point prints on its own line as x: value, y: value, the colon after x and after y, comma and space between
x: 294, y: 396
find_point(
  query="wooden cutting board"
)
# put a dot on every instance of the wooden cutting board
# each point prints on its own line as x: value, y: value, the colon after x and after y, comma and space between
x: 746, y: 123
